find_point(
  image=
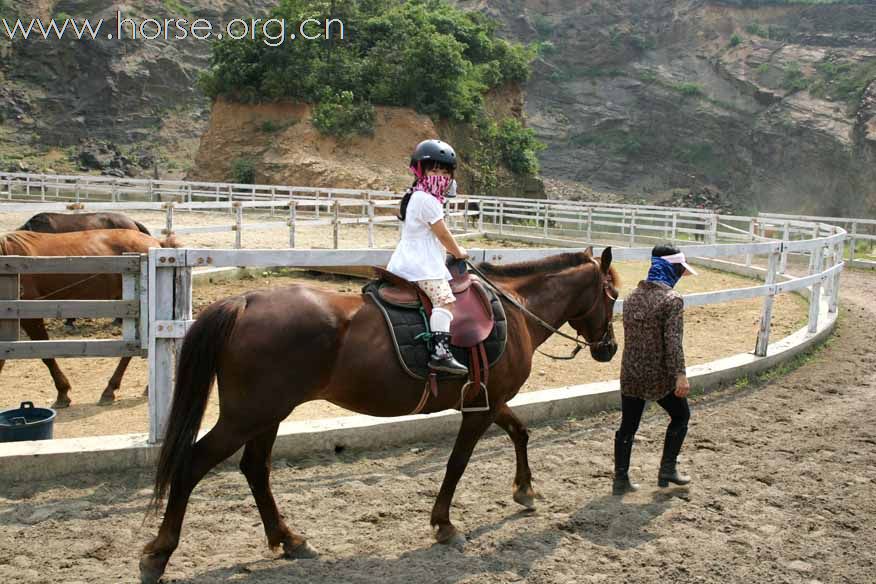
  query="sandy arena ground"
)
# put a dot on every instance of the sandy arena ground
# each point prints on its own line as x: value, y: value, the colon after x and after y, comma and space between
x: 711, y: 332
x: 783, y: 492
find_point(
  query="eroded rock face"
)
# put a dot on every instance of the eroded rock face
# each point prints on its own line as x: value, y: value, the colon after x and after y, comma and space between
x: 645, y: 97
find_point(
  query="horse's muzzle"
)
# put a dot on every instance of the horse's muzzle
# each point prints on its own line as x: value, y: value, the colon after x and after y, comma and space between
x: 604, y: 352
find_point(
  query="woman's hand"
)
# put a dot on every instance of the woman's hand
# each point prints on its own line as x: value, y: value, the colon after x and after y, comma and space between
x: 462, y: 253
x: 682, y: 386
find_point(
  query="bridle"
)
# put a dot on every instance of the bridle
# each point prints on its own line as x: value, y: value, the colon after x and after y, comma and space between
x: 579, y: 343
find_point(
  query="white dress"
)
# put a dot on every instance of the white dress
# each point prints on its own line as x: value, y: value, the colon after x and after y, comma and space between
x: 419, y: 255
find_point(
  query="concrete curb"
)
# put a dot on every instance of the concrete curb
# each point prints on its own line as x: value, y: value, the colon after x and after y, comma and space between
x: 50, y: 458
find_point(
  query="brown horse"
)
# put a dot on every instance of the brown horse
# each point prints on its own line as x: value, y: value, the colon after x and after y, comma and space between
x: 67, y: 222
x: 272, y: 350
x: 105, y: 242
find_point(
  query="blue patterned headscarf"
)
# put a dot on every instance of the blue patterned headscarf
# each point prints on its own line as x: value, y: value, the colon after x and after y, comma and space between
x: 663, y: 271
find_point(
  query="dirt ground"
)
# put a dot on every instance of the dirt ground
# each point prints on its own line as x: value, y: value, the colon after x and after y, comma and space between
x: 711, y: 332
x: 783, y: 492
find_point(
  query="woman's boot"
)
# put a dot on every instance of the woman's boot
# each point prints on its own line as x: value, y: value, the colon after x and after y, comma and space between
x: 623, y: 447
x: 671, y: 447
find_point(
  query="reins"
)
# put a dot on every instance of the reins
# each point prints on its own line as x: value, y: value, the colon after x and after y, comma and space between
x: 579, y: 343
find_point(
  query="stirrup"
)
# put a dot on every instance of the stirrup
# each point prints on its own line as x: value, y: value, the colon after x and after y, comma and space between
x: 484, y: 408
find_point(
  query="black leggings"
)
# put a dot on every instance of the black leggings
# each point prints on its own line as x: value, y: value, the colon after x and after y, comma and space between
x: 632, y: 408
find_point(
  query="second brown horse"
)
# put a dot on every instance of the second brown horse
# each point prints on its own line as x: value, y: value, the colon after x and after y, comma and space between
x: 101, y: 242
x: 272, y: 350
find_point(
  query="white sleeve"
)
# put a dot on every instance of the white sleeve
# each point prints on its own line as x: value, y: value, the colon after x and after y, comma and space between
x: 430, y: 209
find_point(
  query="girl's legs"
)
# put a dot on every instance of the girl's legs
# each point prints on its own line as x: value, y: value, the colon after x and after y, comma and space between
x: 679, y: 413
x: 631, y: 415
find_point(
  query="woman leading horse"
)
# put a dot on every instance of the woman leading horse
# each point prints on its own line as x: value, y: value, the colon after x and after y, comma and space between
x: 273, y: 350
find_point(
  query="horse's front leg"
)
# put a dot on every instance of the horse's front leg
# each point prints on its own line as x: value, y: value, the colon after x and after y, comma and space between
x: 508, y: 421
x: 473, y: 426
x: 109, y: 394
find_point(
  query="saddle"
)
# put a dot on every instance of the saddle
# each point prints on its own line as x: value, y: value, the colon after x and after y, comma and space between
x: 472, y: 315
x: 478, y: 330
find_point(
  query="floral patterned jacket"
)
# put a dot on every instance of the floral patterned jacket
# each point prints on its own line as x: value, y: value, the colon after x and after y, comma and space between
x: 653, y: 332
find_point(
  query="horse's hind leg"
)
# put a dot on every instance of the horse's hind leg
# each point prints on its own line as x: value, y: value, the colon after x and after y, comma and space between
x: 256, y: 467
x: 508, y: 421
x: 217, y: 445
x: 36, y: 330
x: 109, y: 394
x: 473, y: 427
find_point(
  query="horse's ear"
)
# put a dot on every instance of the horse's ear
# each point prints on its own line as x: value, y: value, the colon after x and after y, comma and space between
x: 605, y: 260
x: 589, y: 252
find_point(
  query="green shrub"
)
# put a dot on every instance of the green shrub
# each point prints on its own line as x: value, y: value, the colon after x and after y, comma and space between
x: 735, y: 40
x: 689, y: 89
x: 763, y: 68
x: 243, y: 171
x: 518, y: 147
x: 756, y: 29
x: 793, y: 78
x: 341, y: 115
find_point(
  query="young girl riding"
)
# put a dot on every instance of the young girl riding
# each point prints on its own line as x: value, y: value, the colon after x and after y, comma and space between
x: 425, y: 241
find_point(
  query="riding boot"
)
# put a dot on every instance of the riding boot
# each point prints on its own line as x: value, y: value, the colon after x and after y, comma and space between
x: 442, y: 359
x: 671, y: 447
x: 623, y: 447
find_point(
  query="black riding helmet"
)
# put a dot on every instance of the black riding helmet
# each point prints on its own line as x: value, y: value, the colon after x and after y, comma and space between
x: 434, y: 150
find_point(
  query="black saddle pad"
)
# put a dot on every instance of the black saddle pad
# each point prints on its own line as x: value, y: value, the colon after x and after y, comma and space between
x: 406, y: 323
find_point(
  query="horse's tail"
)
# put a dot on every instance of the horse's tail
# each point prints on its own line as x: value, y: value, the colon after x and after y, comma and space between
x: 141, y: 227
x: 169, y: 241
x: 198, y: 363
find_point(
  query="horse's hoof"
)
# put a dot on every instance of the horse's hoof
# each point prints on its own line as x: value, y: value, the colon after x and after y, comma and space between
x: 60, y: 404
x: 526, y: 498
x: 448, y: 535
x: 303, y: 551
x: 151, y: 569
x: 107, y: 399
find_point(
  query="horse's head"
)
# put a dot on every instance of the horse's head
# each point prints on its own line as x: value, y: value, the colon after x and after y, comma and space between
x: 595, y: 322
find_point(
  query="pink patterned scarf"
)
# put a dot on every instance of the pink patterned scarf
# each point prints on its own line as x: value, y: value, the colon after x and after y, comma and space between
x: 434, y: 185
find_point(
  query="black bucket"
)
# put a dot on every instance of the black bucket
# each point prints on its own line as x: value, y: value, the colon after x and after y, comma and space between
x: 26, y: 423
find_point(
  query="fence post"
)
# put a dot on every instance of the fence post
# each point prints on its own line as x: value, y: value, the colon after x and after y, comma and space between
x: 161, y: 365
x: 336, y: 224
x: 238, y: 224
x: 370, y: 223
x: 816, y: 267
x: 589, y: 224
x: 538, y: 217
x: 9, y: 289
x: 77, y: 190
x: 130, y: 285
x: 853, y: 243
x: 545, y: 218
x: 169, y: 221
x: 633, y: 228
x: 786, y: 234
x: 316, y: 204
x: 273, y: 197
x: 293, y: 216
x: 501, y: 216
x: 465, y: 215
x: 752, y: 225
x: 766, y: 317
x: 43, y: 188
x: 834, y: 284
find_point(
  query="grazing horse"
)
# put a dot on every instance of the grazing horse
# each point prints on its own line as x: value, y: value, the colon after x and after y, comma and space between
x: 67, y: 222
x: 103, y: 242
x: 272, y: 350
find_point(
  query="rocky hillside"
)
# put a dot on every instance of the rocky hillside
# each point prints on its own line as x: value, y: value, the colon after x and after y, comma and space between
x: 771, y: 108
x: 653, y: 99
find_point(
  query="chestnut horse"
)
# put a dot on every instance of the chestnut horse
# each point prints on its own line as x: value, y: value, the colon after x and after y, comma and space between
x: 102, y: 242
x: 272, y: 350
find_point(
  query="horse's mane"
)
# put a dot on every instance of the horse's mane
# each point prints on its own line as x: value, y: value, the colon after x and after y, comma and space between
x: 554, y: 263
x: 549, y: 264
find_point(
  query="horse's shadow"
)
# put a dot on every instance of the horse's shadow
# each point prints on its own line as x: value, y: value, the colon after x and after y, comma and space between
x: 606, y: 521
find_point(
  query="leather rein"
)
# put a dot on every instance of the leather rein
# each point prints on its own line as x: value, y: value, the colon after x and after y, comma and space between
x: 579, y: 343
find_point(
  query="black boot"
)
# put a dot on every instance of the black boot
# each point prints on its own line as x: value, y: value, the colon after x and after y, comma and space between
x: 623, y: 447
x: 671, y: 447
x: 442, y: 359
